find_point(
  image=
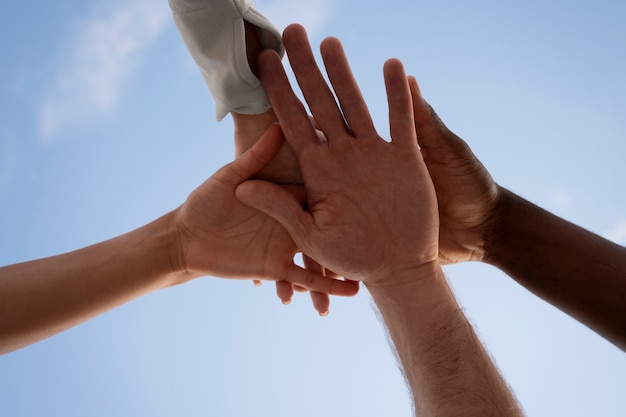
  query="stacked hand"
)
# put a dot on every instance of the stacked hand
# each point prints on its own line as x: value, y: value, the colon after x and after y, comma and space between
x: 283, y: 169
x: 465, y: 192
x: 349, y: 204
x: 217, y: 231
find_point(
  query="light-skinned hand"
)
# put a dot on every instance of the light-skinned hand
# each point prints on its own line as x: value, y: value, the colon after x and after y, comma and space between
x: 220, y: 236
x: 371, y: 205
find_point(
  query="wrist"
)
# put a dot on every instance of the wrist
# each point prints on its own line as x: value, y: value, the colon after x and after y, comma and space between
x: 400, y: 287
x: 508, y: 222
x: 177, y: 247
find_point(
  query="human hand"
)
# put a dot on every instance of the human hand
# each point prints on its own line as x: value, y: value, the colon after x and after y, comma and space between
x: 282, y: 169
x: 371, y: 206
x: 220, y: 236
x: 466, y: 193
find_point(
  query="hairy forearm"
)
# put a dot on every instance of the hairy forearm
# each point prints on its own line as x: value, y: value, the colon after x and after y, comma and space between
x: 446, y: 366
x: 570, y: 267
x: 41, y: 298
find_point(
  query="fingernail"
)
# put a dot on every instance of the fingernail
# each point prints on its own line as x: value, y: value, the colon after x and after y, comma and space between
x: 286, y: 302
x: 256, y: 283
x: 325, y: 313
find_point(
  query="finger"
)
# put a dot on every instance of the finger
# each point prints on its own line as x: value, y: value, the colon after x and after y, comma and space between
x: 420, y: 110
x: 321, y: 301
x: 316, y: 91
x: 255, y: 158
x: 401, y: 123
x: 425, y: 118
x: 346, y: 88
x: 298, y: 288
x: 279, y: 204
x: 330, y: 274
x: 284, y: 290
x: 289, y: 110
x: 314, y: 281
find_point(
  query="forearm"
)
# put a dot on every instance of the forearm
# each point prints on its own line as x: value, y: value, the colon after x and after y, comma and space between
x: 445, y: 364
x: 41, y: 298
x: 579, y: 272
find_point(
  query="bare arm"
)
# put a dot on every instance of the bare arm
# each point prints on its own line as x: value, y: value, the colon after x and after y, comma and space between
x: 212, y: 233
x: 572, y: 268
x: 43, y: 297
x: 576, y: 270
x: 447, y: 366
x: 372, y: 215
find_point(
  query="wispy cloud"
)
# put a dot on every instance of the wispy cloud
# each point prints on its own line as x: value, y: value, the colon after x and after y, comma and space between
x: 313, y: 15
x: 618, y: 233
x: 104, y: 52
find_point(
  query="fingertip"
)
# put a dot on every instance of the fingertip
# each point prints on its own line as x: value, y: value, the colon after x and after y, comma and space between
x: 274, y: 134
x: 268, y: 60
x: 321, y: 302
x: 346, y: 288
x: 245, y: 192
x: 331, y: 46
x: 393, y: 69
x: 394, y: 63
x: 284, y: 290
x: 256, y: 282
x: 324, y: 313
x: 294, y: 28
x: 331, y: 42
x: 268, y: 54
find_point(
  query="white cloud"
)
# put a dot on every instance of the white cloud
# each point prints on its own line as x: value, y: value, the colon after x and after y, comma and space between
x: 618, y: 233
x: 313, y: 14
x: 104, y: 52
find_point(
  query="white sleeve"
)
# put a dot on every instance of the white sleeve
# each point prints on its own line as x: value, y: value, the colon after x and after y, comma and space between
x: 214, y: 33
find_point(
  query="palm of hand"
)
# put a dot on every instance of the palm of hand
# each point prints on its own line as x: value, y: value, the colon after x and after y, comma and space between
x: 390, y: 206
x: 222, y: 231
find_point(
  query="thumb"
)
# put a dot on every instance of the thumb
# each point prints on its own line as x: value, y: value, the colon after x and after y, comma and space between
x: 259, y: 155
x: 425, y: 123
x: 279, y: 204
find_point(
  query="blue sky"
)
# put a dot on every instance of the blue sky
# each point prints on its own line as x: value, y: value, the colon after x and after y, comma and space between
x: 106, y: 124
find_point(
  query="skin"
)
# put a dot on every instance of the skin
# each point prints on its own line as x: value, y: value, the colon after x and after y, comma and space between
x: 282, y: 169
x: 575, y: 270
x: 371, y: 215
x: 212, y: 233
